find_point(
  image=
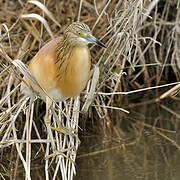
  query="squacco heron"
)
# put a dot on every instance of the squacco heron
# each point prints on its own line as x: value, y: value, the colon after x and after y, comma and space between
x: 62, y: 66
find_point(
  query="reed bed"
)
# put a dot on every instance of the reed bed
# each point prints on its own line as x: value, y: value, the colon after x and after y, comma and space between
x: 142, y: 60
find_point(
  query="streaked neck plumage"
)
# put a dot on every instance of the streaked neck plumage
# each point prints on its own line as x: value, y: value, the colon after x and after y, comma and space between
x: 64, y: 49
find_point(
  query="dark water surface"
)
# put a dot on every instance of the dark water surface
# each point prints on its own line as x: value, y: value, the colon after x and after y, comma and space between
x: 147, y: 154
x: 145, y: 160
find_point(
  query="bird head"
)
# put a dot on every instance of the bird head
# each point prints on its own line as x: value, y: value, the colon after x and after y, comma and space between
x: 81, y: 33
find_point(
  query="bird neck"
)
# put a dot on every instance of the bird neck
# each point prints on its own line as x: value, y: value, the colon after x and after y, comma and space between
x: 63, y: 54
x: 65, y: 47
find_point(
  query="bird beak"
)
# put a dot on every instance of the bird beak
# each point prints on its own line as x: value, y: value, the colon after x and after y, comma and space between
x: 92, y: 39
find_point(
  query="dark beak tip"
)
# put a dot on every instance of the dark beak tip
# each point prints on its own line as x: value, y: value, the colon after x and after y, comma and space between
x: 104, y: 47
x: 93, y: 39
x: 100, y: 44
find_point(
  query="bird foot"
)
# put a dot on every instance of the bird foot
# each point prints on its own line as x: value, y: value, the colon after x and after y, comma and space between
x: 59, y: 153
x: 67, y: 131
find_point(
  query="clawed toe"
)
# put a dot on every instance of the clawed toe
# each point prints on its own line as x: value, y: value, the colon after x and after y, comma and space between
x: 59, y: 153
x: 66, y: 131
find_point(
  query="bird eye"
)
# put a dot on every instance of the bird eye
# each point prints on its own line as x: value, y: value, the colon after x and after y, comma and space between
x: 82, y: 34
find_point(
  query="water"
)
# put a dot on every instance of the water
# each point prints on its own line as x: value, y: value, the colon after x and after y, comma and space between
x: 151, y: 158
x: 141, y: 154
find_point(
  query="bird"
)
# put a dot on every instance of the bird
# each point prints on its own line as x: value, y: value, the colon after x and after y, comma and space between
x: 61, y: 67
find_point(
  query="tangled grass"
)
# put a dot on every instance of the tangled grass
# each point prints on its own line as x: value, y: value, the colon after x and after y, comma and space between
x: 142, y: 59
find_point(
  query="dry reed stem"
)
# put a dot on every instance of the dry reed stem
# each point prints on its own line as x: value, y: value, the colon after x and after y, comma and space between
x: 90, y: 96
x: 137, y: 31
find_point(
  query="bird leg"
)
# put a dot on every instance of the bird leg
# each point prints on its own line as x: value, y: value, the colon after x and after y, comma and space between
x: 47, y: 120
x: 64, y: 130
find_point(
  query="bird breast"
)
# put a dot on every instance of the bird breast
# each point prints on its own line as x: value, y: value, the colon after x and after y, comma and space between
x: 76, y: 72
